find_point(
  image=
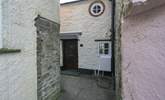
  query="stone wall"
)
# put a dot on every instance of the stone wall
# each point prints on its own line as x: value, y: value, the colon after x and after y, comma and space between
x: 143, y: 56
x: 48, y: 60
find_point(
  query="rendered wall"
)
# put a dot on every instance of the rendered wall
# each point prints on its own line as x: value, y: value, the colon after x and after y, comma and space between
x: 18, y: 71
x: 0, y: 24
x: 143, y: 56
x: 75, y: 17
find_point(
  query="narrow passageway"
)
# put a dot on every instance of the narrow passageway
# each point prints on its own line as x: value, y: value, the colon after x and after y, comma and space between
x: 86, y: 87
x: 86, y: 45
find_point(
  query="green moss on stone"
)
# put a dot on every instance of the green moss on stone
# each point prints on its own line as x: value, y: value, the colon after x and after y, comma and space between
x: 6, y: 50
x: 56, y: 97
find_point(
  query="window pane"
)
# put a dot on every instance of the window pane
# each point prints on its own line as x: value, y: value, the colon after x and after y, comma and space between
x: 106, y: 45
x: 101, y: 48
x: 98, y: 10
x: 106, y: 51
x: 98, y: 7
x: 95, y: 9
x: 100, y: 51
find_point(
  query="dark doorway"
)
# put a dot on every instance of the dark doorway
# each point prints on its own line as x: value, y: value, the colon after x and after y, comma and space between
x: 70, y: 54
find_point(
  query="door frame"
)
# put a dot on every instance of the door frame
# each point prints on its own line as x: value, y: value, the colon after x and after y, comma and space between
x: 63, y: 57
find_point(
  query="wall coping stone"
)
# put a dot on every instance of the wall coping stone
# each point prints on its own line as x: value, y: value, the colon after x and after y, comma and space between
x: 7, y: 50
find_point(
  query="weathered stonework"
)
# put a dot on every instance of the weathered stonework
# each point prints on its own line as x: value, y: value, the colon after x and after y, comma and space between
x: 48, y: 59
x: 118, y: 22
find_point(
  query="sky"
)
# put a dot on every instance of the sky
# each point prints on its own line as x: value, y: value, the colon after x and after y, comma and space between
x: 63, y: 1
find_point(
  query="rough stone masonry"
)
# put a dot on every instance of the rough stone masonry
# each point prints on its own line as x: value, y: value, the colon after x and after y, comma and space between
x: 48, y: 59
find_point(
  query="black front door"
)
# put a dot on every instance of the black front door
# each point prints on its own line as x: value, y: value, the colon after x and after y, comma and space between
x: 70, y: 54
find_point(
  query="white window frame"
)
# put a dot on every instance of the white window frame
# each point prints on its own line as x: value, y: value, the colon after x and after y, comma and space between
x: 109, y: 49
x: 97, y: 12
x: 1, y: 42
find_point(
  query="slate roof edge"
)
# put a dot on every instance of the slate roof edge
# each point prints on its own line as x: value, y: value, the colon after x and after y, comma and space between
x: 72, y: 2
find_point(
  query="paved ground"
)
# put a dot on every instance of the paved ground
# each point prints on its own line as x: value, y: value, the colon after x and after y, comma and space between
x: 86, y: 87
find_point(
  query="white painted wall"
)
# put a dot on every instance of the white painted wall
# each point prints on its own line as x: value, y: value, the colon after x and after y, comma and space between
x: 76, y: 18
x: 1, y: 24
x: 18, y: 71
x: 143, y: 56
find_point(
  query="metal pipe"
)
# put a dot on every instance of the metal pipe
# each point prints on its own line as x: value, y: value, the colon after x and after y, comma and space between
x: 113, y: 31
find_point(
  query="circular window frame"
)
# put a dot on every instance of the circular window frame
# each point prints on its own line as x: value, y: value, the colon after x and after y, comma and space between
x: 90, y: 10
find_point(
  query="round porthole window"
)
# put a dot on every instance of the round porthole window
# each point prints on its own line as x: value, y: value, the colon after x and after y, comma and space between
x: 96, y: 8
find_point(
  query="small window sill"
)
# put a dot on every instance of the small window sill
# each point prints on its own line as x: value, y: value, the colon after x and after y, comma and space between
x: 7, y: 50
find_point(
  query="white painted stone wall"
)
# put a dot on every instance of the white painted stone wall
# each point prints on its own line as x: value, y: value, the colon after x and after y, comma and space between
x: 76, y: 18
x: 143, y: 56
x: 0, y: 24
x: 18, y: 71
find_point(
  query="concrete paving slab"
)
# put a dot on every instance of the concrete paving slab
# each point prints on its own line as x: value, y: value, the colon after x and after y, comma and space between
x: 87, y: 87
